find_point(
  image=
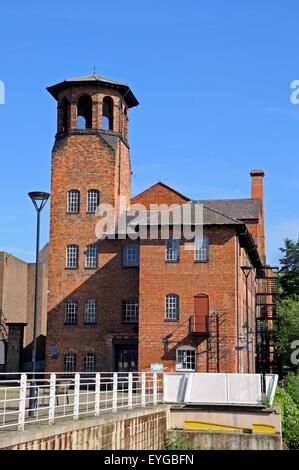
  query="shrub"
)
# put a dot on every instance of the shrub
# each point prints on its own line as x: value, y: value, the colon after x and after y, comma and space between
x: 180, y: 443
x: 292, y: 387
x: 290, y: 418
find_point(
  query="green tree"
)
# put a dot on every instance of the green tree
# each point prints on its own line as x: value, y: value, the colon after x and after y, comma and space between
x: 289, y: 272
x: 286, y: 331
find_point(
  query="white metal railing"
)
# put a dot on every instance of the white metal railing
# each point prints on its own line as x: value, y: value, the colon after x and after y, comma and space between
x: 48, y: 397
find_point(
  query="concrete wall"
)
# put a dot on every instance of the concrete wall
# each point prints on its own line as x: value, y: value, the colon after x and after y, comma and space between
x: 127, y: 430
x: 241, y: 416
x: 224, y: 440
x: 17, y: 280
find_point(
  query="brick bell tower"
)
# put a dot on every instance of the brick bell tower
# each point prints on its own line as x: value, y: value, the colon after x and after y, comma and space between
x: 90, y: 166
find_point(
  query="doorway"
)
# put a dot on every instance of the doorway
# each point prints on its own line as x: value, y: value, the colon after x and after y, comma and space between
x: 126, y: 357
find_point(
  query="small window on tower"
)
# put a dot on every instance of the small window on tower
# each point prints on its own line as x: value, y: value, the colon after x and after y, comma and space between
x: 107, y: 120
x: 84, y: 112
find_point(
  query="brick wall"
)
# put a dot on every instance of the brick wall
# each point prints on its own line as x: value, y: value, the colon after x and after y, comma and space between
x: 216, y: 278
x: 135, y: 430
x: 159, y: 193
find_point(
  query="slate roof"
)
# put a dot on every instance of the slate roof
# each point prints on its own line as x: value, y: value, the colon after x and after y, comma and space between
x: 209, y: 216
x: 123, y: 88
x: 241, y: 209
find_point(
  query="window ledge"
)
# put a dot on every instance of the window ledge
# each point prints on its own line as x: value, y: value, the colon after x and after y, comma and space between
x: 169, y: 320
x: 200, y: 262
x: 172, y: 261
x: 69, y: 268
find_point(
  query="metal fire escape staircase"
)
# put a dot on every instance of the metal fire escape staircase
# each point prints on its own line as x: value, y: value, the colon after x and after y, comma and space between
x: 267, y: 296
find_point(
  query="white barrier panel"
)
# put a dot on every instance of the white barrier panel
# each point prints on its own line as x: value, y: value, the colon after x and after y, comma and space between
x: 271, y: 381
x: 244, y: 389
x: 175, y: 387
x: 206, y: 388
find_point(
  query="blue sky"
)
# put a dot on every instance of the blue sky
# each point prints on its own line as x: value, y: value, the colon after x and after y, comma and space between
x: 213, y: 80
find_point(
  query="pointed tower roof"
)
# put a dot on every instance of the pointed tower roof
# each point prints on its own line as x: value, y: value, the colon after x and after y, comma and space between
x: 102, y: 82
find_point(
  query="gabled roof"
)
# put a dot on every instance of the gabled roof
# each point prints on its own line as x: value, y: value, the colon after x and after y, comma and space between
x: 104, y: 82
x: 241, y: 209
x: 238, y: 209
x: 161, y: 188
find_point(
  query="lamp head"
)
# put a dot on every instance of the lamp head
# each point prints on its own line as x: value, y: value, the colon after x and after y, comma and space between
x: 39, y: 199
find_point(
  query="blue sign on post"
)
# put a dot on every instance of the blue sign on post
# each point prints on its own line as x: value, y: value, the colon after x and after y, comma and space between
x: 157, y: 367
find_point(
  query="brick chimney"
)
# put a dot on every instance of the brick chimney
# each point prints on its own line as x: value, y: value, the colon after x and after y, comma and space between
x: 257, y: 192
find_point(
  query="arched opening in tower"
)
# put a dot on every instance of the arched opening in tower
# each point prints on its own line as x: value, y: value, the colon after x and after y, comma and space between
x: 84, y: 112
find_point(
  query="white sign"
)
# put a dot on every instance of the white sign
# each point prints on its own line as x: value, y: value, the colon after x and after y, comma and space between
x: 157, y: 367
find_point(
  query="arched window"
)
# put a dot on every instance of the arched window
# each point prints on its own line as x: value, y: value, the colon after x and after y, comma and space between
x: 89, y: 362
x: 131, y: 255
x: 90, y: 312
x: 91, y: 256
x: 201, y: 249
x: 70, y: 312
x: 107, y: 118
x: 93, y: 200
x: 84, y: 112
x: 69, y: 362
x: 172, y: 307
x: 72, y: 256
x: 186, y: 358
x: 64, y: 110
x: 73, y: 201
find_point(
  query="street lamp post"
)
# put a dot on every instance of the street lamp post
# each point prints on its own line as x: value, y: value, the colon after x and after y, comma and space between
x: 39, y: 200
x: 246, y: 271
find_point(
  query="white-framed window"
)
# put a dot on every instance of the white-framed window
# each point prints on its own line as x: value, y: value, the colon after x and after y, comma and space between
x: 70, y: 312
x: 130, y: 311
x: 69, y: 362
x: 73, y: 201
x: 201, y: 248
x: 131, y: 255
x: 91, y: 256
x: 186, y: 358
x: 172, y: 252
x: 72, y: 256
x: 89, y: 362
x: 90, y: 311
x: 93, y: 200
x: 172, y: 307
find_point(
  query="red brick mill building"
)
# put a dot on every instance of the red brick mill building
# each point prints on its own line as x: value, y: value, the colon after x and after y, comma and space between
x: 123, y: 305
